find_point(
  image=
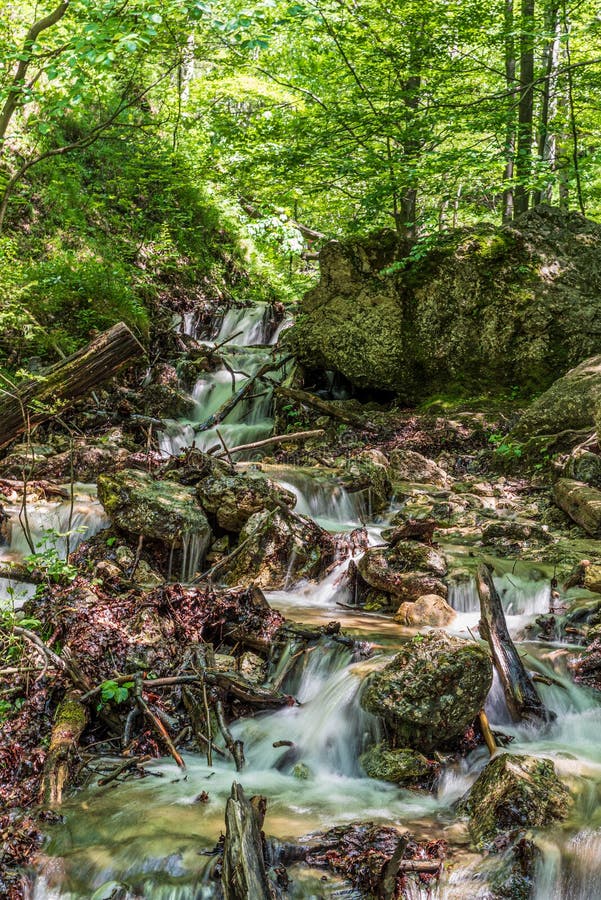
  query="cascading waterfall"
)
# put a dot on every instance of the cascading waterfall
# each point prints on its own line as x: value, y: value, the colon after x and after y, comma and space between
x: 145, y: 839
x: 194, y: 547
x: 249, y: 335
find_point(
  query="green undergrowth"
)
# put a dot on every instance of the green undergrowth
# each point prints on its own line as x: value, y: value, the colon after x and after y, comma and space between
x: 123, y: 230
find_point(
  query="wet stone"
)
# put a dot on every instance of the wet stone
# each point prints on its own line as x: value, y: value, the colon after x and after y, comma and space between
x: 514, y: 792
x: 431, y: 691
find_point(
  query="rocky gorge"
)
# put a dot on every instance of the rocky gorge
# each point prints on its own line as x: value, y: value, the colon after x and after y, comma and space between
x: 299, y: 612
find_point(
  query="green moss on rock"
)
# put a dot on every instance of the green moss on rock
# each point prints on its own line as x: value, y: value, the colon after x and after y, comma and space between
x: 431, y: 691
x: 406, y: 767
x: 160, y: 510
x: 514, y: 792
x: 496, y: 307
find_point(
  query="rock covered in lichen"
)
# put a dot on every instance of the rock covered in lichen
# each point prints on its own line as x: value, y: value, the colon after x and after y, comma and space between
x: 485, y: 305
x: 431, y: 691
x: 406, y: 570
x: 277, y: 549
x: 160, y: 510
x: 407, y: 465
x: 569, y: 403
x: 368, y: 473
x: 514, y: 792
x: 234, y: 497
x: 404, y: 766
x: 429, y: 609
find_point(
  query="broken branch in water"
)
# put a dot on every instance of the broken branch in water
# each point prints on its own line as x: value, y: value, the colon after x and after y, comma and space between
x: 522, y: 698
x: 276, y: 439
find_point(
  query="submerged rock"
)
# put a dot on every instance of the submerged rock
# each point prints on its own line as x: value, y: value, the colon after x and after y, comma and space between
x: 431, y: 691
x: 483, y: 306
x: 234, y: 498
x: 406, y: 767
x: 429, y: 609
x: 160, y: 510
x: 278, y: 548
x: 581, y: 502
x: 514, y: 792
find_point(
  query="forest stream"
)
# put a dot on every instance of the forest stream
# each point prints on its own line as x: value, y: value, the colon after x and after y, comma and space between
x: 152, y: 838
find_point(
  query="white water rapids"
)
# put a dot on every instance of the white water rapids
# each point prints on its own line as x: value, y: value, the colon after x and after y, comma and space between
x: 143, y: 839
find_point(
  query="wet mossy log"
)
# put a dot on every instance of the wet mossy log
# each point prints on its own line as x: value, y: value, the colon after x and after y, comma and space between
x: 69, y: 722
x: 244, y: 876
x: 522, y: 698
x: 72, y: 379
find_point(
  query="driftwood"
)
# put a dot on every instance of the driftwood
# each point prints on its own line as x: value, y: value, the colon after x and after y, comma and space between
x: 70, y: 720
x: 33, y: 402
x: 326, y: 408
x: 244, y: 876
x: 489, y: 738
x: 276, y: 439
x: 522, y: 698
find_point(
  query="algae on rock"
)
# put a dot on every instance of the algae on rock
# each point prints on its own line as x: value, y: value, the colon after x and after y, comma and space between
x: 431, y: 691
x: 514, y: 792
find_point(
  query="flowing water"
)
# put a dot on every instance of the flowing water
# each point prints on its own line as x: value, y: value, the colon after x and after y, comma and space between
x: 55, y: 525
x: 145, y: 838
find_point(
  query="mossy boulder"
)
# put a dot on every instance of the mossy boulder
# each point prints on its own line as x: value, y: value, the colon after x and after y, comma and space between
x: 405, y: 767
x: 514, y: 792
x: 569, y: 404
x: 160, y: 510
x: 234, y: 498
x: 431, y: 691
x: 401, y: 569
x: 277, y: 549
x: 484, y: 306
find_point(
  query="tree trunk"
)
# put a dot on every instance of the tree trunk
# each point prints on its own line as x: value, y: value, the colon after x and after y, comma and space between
x: 34, y: 402
x: 547, y: 141
x: 508, y: 199
x: 244, y: 876
x: 525, y: 108
x: 522, y: 698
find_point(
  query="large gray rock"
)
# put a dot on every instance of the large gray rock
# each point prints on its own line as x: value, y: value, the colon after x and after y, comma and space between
x: 160, y: 510
x: 570, y: 403
x: 407, y: 465
x: 277, y: 549
x: 406, y: 570
x: 516, y: 305
x: 431, y: 691
x: 581, y: 502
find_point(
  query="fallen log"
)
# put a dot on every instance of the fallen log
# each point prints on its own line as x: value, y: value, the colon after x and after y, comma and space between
x: 522, y: 698
x: 244, y: 876
x: 69, y: 722
x: 276, y: 439
x: 326, y: 408
x: 18, y: 572
x: 33, y: 402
